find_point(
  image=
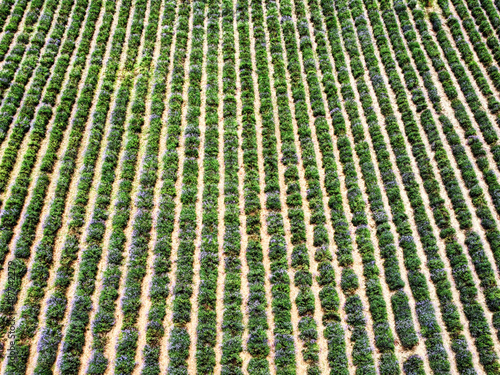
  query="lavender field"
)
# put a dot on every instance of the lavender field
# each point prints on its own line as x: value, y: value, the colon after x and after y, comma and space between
x: 250, y: 187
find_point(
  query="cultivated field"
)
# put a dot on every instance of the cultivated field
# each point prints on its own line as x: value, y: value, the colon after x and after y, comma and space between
x: 268, y: 187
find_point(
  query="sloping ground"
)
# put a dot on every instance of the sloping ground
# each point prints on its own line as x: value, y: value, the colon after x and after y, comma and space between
x: 250, y: 187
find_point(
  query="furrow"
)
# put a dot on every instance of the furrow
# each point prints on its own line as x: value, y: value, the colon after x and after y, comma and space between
x: 72, y: 258
x: 70, y: 238
x: 369, y: 190
x: 18, y: 73
x: 173, y: 24
x: 42, y: 184
x: 438, y: 248
x: 85, y: 164
x: 310, y: 186
x: 84, y: 219
x: 56, y: 66
x: 53, y: 55
x: 183, y: 336
x: 109, y: 354
x: 298, y: 234
x: 411, y: 249
x: 487, y: 134
x: 134, y: 70
x: 405, y: 118
x: 221, y: 274
x: 66, y: 188
x: 378, y: 330
x: 6, y: 10
x: 472, y: 181
x: 201, y: 86
x: 403, y: 321
x: 372, y: 224
x: 486, y: 52
x: 242, y: 189
x: 262, y: 349
x: 464, y: 234
x: 66, y: 248
x: 21, y: 18
x: 458, y: 135
x: 206, y: 301
x: 432, y: 198
x: 154, y: 50
x: 25, y: 228
x: 232, y: 317
x: 479, y: 81
x: 435, y: 136
x: 286, y: 346
x: 176, y: 157
x: 479, y: 17
x: 23, y: 91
